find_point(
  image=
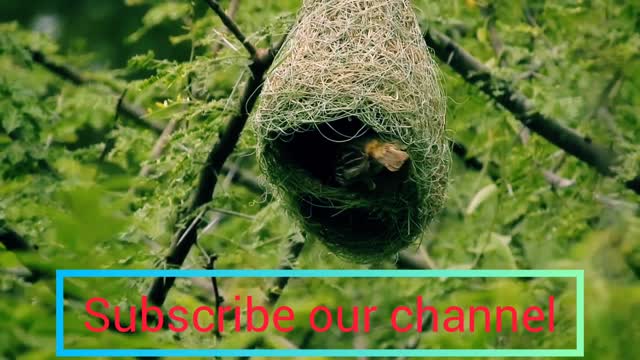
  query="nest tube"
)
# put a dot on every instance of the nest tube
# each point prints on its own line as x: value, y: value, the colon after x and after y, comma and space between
x: 351, y: 68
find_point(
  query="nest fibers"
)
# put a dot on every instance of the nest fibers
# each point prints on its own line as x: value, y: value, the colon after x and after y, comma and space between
x: 351, y: 68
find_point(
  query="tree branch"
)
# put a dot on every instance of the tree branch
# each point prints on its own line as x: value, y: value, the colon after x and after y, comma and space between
x: 211, y: 261
x: 295, y: 244
x: 408, y: 261
x: 159, y: 146
x: 231, y: 12
x: 602, y: 158
x: 414, y: 341
x: 221, y: 150
x: 168, y: 130
x: 11, y: 240
x: 75, y: 77
x: 233, y: 27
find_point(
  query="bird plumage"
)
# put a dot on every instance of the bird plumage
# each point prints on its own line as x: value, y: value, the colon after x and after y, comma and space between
x: 359, y: 160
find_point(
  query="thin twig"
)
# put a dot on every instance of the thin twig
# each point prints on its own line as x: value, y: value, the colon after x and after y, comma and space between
x: 234, y: 5
x: 557, y: 181
x: 247, y: 180
x: 360, y: 342
x: 603, y: 105
x: 219, y: 300
x: 233, y: 27
x: 414, y: 341
x: 407, y: 260
x: 233, y: 213
x: 159, y: 146
x: 294, y: 248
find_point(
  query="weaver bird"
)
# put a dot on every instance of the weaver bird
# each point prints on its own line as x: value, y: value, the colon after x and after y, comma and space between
x: 359, y: 160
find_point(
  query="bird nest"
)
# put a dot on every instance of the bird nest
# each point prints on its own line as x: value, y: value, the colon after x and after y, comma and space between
x: 353, y: 68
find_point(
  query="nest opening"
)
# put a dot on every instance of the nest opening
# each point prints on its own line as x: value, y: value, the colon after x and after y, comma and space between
x: 350, y: 217
x: 316, y: 150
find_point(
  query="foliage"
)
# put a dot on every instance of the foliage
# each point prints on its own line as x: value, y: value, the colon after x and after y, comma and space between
x: 71, y: 185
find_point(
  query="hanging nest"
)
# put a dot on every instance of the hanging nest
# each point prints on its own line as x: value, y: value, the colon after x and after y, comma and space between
x: 353, y: 68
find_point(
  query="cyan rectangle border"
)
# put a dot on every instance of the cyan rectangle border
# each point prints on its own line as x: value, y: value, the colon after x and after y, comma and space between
x: 577, y: 352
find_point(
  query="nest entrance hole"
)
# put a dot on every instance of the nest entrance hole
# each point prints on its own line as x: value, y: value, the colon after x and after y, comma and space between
x: 355, y: 214
x: 315, y: 150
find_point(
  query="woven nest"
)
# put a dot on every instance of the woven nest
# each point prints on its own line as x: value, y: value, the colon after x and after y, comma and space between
x: 351, y: 68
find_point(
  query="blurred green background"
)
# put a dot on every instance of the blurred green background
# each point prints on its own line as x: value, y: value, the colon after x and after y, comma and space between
x: 83, y: 185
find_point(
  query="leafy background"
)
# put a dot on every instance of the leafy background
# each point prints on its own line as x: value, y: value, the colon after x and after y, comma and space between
x: 81, y: 184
